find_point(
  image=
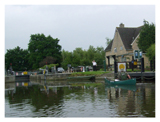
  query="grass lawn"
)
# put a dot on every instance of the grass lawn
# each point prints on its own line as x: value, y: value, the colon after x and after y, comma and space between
x: 96, y: 73
x: 136, y: 70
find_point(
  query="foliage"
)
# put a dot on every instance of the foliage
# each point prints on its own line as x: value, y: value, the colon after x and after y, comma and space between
x: 18, y: 58
x: 66, y: 59
x: 81, y: 57
x: 151, y: 52
x: 108, y: 41
x: 147, y: 36
x: 47, y: 60
x: 41, y: 47
x: 44, y: 50
x: 49, y: 66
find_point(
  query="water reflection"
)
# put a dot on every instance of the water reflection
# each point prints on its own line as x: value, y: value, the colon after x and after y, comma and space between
x: 131, y: 100
x: 81, y: 101
x: 33, y: 96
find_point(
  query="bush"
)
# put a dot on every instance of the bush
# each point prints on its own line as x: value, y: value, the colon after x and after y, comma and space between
x: 49, y: 66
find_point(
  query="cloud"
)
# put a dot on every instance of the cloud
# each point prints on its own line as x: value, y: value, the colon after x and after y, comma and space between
x: 74, y: 25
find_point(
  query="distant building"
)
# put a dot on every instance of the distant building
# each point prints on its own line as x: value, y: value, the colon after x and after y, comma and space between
x: 123, y: 45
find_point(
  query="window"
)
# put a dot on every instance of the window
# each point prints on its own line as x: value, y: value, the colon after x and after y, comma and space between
x: 123, y: 59
x: 115, y: 50
x: 121, y: 48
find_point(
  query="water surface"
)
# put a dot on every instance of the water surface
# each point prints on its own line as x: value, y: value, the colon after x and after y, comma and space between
x: 81, y: 101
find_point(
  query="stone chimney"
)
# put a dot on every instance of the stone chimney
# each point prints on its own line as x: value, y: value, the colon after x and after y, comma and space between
x: 121, y: 25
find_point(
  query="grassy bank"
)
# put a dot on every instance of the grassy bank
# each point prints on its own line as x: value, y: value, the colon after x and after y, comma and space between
x: 136, y: 70
x: 96, y: 73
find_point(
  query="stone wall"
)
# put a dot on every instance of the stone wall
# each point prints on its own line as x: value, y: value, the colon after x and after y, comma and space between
x: 9, y: 79
x: 40, y: 78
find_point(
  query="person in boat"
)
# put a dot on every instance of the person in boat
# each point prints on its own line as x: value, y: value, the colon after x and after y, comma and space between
x: 122, y: 75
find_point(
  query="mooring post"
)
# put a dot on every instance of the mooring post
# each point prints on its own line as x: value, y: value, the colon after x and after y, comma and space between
x: 108, y: 62
x: 151, y: 65
x: 142, y: 69
x: 45, y: 77
x: 132, y: 64
x: 104, y: 63
x: 142, y: 78
x: 115, y: 66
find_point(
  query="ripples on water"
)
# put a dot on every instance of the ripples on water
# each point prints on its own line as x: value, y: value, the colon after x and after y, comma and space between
x: 100, y: 101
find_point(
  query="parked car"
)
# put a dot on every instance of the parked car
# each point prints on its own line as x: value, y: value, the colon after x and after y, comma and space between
x: 89, y: 68
x: 60, y: 70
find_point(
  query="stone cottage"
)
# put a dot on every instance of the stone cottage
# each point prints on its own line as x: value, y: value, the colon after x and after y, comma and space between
x: 123, y: 45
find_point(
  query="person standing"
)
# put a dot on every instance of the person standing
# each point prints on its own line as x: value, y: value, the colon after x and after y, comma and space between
x: 94, y: 65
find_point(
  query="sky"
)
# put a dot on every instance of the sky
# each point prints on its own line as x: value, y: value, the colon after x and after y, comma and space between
x: 74, y: 25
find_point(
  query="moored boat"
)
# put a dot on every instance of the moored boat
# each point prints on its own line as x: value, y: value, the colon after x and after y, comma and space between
x: 121, y: 82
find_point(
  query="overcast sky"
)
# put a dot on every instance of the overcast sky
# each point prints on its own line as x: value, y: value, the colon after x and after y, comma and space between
x: 74, y: 25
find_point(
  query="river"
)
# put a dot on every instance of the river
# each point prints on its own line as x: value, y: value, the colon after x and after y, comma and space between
x: 81, y: 101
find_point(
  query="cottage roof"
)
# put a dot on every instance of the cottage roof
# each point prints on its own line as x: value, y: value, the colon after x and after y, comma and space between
x: 127, y: 35
x: 108, y: 48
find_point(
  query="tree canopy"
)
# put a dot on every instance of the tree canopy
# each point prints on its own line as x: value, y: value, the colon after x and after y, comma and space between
x: 147, y: 36
x: 108, y: 41
x: 18, y: 58
x: 81, y: 57
x: 40, y: 47
x: 44, y: 50
x: 151, y: 52
x: 146, y: 41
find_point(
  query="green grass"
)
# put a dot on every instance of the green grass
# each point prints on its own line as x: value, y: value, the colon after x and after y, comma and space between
x: 96, y: 73
x: 136, y: 70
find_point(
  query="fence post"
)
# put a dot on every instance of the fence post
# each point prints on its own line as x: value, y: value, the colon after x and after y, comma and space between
x: 132, y: 63
x: 142, y: 64
x: 104, y: 63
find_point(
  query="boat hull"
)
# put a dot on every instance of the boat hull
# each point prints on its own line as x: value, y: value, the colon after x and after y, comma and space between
x: 124, y: 82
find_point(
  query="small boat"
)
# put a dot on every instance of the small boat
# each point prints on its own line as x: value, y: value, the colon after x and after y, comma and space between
x: 121, y: 82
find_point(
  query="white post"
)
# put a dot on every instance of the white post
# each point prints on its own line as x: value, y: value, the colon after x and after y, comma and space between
x: 83, y: 69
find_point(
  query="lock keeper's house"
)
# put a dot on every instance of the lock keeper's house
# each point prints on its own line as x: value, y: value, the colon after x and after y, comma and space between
x: 123, y: 45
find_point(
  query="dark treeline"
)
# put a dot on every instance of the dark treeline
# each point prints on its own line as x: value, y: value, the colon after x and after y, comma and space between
x: 41, y: 50
x: 44, y: 50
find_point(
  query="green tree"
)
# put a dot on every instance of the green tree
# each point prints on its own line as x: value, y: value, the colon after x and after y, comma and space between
x: 91, y: 53
x: 108, y: 41
x: 41, y: 47
x: 18, y: 58
x: 81, y: 57
x: 66, y: 59
x: 48, y: 60
x: 147, y: 36
x: 99, y: 55
x: 77, y: 57
x: 151, y: 52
